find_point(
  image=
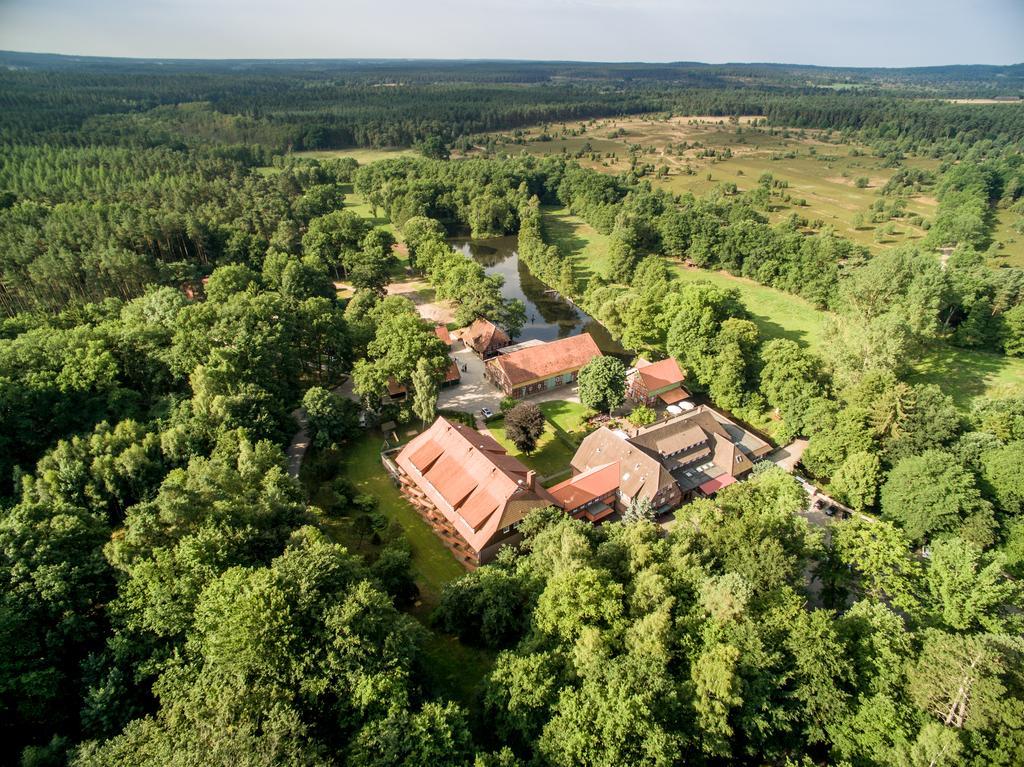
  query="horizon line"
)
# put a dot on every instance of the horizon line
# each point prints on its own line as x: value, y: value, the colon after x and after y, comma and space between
x: 367, y: 59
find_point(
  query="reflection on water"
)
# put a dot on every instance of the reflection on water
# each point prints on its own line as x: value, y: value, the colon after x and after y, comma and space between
x: 548, y: 317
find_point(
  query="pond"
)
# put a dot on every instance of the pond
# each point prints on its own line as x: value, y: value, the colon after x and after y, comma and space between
x: 548, y: 316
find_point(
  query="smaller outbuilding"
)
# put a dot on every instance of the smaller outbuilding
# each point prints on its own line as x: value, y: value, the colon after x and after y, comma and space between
x: 652, y: 382
x: 484, y: 337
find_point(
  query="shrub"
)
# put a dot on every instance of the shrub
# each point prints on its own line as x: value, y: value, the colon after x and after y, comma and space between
x: 642, y: 416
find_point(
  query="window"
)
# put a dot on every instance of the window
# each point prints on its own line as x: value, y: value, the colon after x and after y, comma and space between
x: 739, y: 459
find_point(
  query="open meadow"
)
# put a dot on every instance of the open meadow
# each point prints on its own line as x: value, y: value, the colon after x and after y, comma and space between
x: 703, y: 153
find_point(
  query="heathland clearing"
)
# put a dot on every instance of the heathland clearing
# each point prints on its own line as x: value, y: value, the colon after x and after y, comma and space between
x: 703, y: 153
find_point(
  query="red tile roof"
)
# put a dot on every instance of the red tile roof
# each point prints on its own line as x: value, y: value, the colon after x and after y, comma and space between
x: 547, y: 360
x: 716, y: 484
x: 658, y: 375
x: 674, y: 395
x: 586, y: 487
x: 471, y: 480
x: 443, y: 334
x: 484, y: 334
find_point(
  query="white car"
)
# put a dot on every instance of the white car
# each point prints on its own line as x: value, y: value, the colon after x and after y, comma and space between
x: 486, y: 412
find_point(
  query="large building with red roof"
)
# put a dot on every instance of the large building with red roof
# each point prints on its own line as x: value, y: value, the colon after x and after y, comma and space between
x: 468, y: 489
x: 541, y: 367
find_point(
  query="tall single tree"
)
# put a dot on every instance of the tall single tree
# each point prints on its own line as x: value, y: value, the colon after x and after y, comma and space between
x: 424, y: 391
x: 523, y: 425
x: 602, y: 383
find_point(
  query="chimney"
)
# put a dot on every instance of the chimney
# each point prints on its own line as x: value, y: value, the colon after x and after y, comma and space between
x: 531, y: 478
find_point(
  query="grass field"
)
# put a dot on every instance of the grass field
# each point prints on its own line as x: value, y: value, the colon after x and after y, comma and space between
x: 964, y: 374
x: 564, y: 429
x: 776, y: 314
x: 818, y: 171
x: 363, y: 156
x: 1010, y: 243
x: 576, y: 238
x: 433, y: 565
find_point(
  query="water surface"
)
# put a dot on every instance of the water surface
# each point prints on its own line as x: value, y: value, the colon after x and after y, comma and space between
x: 548, y: 316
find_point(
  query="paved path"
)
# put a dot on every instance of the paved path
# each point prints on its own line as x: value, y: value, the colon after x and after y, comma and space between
x: 299, y: 444
x: 789, y: 456
x: 300, y: 441
x: 473, y: 391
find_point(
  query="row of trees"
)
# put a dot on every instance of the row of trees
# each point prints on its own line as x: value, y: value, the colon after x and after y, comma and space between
x: 618, y: 645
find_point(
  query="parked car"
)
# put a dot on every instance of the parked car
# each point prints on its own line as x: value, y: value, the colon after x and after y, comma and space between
x: 830, y: 511
x: 486, y: 412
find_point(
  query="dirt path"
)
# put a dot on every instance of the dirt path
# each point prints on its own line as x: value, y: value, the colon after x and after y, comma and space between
x: 421, y: 293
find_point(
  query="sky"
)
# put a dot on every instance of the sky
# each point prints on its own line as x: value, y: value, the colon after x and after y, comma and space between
x: 825, y: 32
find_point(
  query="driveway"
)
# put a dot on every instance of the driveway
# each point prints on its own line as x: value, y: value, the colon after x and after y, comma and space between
x: 561, y: 393
x: 473, y: 391
x: 789, y: 456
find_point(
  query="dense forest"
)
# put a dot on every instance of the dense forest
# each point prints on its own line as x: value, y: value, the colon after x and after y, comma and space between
x: 171, y: 595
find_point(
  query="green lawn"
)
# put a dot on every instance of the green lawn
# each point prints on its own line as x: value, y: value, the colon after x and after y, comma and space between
x: 565, y: 428
x: 433, y: 564
x: 777, y: 314
x: 568, y: 417
x: 576, y: 238
x: 965, y: 374
x: 551, y: 456
x: 1009, y: 242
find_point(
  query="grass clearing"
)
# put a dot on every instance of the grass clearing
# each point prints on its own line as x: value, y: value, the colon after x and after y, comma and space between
x: 574, y: 237
x: 362, y: 155
x: 966, y: 374
x: 818, y: 170
x: 359, y: 463
x: 565, y: 428
x: 777, y: 314
x: 1009, y: 242
x: 454, y: 670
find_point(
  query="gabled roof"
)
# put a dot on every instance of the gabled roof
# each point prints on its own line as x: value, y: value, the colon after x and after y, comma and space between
x: 673, y: 436
x: 442, y: 332
x: 639, y: 472
x: 659, y: 375
x: 470, y: 478
x: 700, y: 434
x: 586, y: 487
x: 546, y: 360
x: 672, y: 396
x: 483, y: 334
